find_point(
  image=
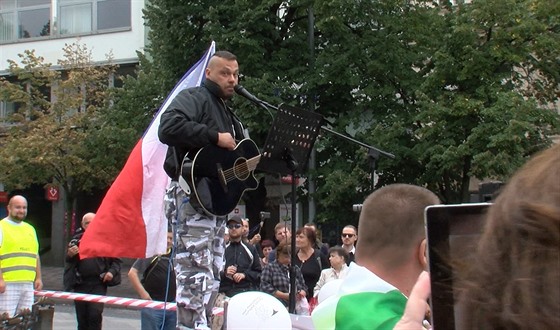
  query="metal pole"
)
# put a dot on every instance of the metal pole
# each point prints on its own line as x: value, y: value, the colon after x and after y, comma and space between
x: 311, y: 102
x: 293, y: 284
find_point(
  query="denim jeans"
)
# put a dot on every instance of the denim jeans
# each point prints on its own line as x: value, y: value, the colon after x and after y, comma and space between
x: 152, y: 319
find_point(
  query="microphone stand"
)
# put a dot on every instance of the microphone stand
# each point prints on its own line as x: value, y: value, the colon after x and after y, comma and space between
x: 373, y: 152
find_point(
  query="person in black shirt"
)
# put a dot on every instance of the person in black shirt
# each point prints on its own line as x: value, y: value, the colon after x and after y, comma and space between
x: 90, y: 275
x: 157, y: 283
x: 242, y: 268
x: 309, y: 259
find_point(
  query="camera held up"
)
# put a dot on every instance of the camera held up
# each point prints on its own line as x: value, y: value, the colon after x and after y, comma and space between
x: 357, y: 207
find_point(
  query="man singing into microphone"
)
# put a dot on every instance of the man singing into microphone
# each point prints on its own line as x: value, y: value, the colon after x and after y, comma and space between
x: 198, y: 117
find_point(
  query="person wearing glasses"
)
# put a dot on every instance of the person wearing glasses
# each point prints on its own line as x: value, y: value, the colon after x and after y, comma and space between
x: 242, y: 270
x: 349, y: 237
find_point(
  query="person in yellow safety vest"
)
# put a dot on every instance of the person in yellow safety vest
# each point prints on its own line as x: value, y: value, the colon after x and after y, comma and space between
x: 20, y: 267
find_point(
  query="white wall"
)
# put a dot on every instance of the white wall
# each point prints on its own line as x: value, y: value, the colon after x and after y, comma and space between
x: 122, y: 44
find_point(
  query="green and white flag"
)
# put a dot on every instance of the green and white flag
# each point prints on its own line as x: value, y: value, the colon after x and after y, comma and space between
x: 364, y: 301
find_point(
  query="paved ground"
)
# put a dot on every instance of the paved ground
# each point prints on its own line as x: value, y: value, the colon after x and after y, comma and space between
x: 113, y: 318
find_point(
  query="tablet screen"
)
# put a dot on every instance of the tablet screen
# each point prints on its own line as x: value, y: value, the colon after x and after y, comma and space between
x: 452, y: 233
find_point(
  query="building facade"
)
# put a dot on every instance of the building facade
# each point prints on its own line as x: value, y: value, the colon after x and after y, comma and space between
x: 105, y: 27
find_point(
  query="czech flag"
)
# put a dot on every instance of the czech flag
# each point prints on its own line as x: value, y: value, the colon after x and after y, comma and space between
x: 130, y: 222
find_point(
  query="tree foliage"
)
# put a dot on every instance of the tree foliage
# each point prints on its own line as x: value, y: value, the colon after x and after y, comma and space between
x: 120, y: 126
x: 454, y: 92
x: 58, y: 111
x: 483, y: 105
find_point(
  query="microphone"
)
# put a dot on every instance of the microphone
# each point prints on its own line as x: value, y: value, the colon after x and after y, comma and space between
x: 243, y: 92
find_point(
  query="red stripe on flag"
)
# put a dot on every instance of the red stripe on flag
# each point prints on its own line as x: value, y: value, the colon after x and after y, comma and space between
x: 126, y: 232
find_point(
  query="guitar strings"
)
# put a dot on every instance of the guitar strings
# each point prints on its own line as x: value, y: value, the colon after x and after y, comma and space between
x: 246, y: 167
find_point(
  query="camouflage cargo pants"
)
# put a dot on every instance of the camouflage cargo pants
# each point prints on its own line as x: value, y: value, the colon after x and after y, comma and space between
x: 199, y: 254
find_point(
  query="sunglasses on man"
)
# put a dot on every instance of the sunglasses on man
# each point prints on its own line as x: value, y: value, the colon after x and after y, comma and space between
x: 348, y: 235
x: 234, y: 226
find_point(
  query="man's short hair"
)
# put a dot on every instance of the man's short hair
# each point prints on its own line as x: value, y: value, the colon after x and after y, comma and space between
x: 392, y: 221
x: 352, y: 227
x: 281, y: 224
x: 225, y: 55
x: 311, y: 225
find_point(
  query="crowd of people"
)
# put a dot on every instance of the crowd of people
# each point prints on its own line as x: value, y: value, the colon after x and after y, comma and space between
x: 382, y: 275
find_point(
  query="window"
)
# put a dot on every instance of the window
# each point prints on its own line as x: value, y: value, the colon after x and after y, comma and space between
x: 83, y: 16
x: 6, y: 110
x: 7, y: 26
x: 113, y: 14
x: 22, y: 19
x: 75, y: 17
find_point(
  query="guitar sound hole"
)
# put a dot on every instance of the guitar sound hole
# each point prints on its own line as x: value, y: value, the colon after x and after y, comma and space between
x: 240, y: 169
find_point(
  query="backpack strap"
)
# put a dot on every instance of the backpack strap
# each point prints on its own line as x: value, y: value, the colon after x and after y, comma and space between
x: 248, y: 251
x: 150, y: 267
x: 317, y: 255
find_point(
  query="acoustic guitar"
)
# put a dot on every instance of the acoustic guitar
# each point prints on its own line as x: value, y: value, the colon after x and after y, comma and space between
x: 217, y: 177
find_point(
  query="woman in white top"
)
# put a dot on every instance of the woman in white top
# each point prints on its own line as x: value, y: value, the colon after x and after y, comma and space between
x: 337, y: 257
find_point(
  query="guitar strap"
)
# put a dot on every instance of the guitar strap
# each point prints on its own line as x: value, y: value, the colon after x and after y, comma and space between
x: 177, y: 162
x: 237, y: 126
x: 178, y: 168
x: 183, y: 184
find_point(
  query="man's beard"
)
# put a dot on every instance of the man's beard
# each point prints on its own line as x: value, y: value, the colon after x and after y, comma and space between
x: 18, y: 217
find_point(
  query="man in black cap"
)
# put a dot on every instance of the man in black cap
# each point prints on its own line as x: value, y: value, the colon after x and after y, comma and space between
x: 242, y: 269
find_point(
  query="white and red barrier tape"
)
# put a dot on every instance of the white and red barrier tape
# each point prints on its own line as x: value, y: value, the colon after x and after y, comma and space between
x: 116, y: 301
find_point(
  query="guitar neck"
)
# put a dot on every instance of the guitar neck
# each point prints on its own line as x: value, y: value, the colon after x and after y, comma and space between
x: 253, y: 162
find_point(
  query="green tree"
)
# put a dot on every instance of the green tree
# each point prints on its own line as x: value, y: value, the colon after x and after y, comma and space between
x: 367, y: 71
x: 455, y: 92
x: 268, y: 37
x: 58, y: 111
x: 484, y: 104
x: 120, y: 126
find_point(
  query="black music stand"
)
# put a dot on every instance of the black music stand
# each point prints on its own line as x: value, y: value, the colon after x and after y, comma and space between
x: 286, y: 152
